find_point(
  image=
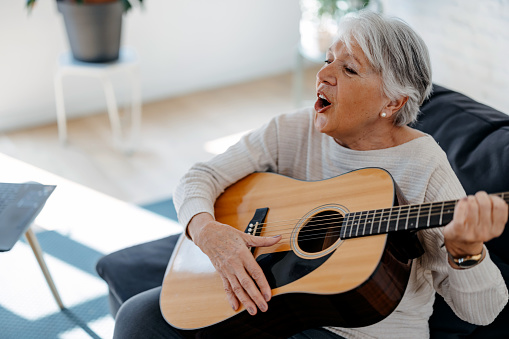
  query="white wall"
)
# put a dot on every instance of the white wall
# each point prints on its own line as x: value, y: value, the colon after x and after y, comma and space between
x: 183, y: 46
x: 468, y: 42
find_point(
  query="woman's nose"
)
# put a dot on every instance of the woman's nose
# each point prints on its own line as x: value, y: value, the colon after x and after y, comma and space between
x: 326, y: 75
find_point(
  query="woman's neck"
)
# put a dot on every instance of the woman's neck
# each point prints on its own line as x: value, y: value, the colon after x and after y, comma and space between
x: 397, y: 135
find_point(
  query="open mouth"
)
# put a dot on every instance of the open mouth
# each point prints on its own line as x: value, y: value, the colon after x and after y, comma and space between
x: 321, y: 103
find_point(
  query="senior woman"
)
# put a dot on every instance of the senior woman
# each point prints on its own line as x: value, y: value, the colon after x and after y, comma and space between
x: 375, y: 77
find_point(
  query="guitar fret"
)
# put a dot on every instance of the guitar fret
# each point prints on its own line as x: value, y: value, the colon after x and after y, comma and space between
x: 418, y: 214
x: 434, y: 215
x: 397, y: 219
x: 357, y: 225
x: 388, y: 220
x: 441, y: 213
x: 356, y: 222
x: 380, y: 223
x: 351, y: 224
x: 365, y: 221
x: 371, y: 221
x: 448, y: 214
x: 411, y: 225
x: 344, y: 225
x: 407, y: 218
x: 429, y: 214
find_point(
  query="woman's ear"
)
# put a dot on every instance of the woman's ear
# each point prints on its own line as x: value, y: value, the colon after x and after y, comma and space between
x: 394, y: 106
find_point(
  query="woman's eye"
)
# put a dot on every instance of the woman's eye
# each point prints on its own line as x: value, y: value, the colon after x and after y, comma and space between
x: 350, y: 70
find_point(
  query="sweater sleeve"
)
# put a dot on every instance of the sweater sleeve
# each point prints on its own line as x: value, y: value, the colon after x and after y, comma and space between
x: 476, y: 295
x: 205, y: 181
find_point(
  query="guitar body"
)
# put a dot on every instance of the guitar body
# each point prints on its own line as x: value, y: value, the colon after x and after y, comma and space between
x: 324, y: 282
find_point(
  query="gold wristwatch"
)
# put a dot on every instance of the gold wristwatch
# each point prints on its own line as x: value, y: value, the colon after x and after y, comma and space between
x: 467, y: 261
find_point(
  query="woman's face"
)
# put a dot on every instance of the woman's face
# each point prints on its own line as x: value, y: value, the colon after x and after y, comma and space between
x: 350, y: 97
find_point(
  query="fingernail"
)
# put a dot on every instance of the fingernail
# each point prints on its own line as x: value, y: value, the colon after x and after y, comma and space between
x: 251, y: 310
x: 277, y: 236
x: 263, y: 308
x: 267, y: 297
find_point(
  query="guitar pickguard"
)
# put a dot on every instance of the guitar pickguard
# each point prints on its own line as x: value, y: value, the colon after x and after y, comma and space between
x: 282, y: 268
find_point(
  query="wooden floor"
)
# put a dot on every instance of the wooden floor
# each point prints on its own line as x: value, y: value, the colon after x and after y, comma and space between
x: 175, y: 134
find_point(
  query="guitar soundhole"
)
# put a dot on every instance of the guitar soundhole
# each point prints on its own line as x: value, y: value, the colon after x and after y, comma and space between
x: 320, y: 232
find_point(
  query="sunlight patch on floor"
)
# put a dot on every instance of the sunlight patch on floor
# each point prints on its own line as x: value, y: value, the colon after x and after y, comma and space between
x: 103, y: 327
x: 29, y: 296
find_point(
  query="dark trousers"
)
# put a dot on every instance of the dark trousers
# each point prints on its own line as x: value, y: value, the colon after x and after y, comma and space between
x: 134, y: 276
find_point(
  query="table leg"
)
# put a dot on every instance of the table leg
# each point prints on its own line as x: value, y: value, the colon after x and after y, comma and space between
x: 32, y: 240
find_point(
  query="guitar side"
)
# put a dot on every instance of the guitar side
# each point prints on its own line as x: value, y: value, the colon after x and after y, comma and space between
x: 360, y: 283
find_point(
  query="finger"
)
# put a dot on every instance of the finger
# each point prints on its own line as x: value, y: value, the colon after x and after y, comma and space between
x: 484, y: 206
x: 254, y: 269
x: 259, y: 278
x: 473, y: 213
x: 251, y: 282
x: 499, y: 215
x: 242, y: 284
x: 232, y: 299
x: 460, y: 216
x: 460, y: 212
x: 254, y: 241
x: 241, y: 287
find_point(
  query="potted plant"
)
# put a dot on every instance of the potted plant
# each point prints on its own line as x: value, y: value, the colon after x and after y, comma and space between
x: 318, y: 24
x: 93, y: 27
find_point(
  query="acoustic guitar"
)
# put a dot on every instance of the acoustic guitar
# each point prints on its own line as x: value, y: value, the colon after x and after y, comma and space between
x: 343, y: 259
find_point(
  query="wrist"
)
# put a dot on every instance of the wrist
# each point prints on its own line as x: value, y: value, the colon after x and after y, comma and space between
x: 196, y: 225
x: 466, y: 261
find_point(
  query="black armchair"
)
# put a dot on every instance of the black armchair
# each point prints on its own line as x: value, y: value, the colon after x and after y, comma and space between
x: 476, y: 140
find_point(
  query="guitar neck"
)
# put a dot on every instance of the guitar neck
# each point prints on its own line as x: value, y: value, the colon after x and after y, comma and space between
x: 401, y: 218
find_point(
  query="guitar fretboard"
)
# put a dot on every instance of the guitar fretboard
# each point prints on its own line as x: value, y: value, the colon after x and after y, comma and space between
x: 399, y: 218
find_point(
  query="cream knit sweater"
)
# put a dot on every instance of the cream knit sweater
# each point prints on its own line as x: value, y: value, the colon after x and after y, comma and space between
x: 290, y: 145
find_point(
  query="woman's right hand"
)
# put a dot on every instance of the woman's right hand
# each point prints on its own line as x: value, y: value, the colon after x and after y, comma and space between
x: 229, y: 251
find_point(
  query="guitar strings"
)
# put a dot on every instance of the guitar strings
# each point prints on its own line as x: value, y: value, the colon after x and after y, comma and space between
x: 377, y: 218
x: 380, y: 212
x: 411, y: 211
x: 405, y: 211
x: 313, y: 230
x: 328, y: 221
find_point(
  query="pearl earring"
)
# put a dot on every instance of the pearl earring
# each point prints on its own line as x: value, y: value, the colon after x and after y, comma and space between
x: 383, y: 114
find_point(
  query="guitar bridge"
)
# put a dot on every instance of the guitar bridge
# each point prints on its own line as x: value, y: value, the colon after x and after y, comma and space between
x: 256, y: 224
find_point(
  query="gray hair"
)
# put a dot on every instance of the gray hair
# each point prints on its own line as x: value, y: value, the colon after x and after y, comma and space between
x: 397, y: 53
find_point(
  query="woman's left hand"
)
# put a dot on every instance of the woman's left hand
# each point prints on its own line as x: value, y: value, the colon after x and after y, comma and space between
x: 477, y: 219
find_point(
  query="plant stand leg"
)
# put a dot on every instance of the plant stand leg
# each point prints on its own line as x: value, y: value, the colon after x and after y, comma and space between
x: 135, y: 108
x: 59, y: 99
x: 113, y: 112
